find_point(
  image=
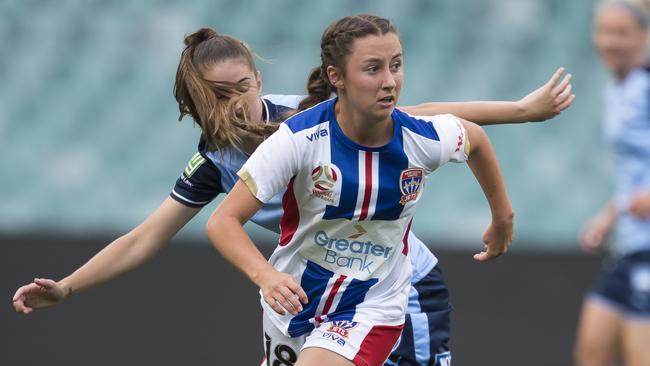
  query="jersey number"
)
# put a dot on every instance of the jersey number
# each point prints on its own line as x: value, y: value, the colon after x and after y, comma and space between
x: 285, y: 356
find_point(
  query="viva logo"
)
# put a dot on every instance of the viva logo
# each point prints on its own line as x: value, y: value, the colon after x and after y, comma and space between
x: 316, y: 135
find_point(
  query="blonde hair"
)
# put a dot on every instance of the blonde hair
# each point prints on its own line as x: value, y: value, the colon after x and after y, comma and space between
x: 639, y: 9
x: 217, y: 107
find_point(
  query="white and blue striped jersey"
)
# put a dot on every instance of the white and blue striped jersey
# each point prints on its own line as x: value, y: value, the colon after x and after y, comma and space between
x: 348, y: 211
x: 208, y: 174
x: 627, y: 130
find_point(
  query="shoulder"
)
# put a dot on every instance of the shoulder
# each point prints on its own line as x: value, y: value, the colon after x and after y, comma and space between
x: 284, y: 100
x: 278, y: 106
x: 425, y: 126
x: 311, y: 117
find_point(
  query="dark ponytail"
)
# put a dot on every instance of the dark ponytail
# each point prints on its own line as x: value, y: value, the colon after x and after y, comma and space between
x: 318, y: 89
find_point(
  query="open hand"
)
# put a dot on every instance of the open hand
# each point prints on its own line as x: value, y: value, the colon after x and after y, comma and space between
x: 548, y: 100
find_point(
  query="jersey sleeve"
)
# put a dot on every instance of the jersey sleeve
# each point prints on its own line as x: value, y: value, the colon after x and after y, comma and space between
x: 287, y: 100
x: 454, y: 143
x: 199, y: 183
x: 272, y: 165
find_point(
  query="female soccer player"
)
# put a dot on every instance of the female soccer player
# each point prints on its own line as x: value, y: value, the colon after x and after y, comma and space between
x: 354, y: 167
x: 217, y: 73
x: 615, y: 317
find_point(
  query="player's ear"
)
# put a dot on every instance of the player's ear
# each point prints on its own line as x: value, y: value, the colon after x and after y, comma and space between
x: 335, y: 77
x: 258, y: 81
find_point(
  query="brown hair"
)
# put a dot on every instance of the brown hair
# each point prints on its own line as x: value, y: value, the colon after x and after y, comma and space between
x: 217, y: 107
x: 336, y: 45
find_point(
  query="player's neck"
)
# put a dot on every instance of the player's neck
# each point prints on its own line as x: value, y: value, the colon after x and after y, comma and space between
x: 361, y: 129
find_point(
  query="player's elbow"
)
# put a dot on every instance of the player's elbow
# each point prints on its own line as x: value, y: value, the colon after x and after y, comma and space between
x: 212, y: 227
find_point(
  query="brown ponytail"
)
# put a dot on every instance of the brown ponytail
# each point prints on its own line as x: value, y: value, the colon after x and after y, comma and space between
x: 318, y: 89
x: 336, y: 45
x: 217, y: 107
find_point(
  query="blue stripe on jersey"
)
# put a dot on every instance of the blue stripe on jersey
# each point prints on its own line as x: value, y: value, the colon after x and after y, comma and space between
x: 314, y: 281
x: 319, y: 114
x: 419, y: 126
x: 353, y: 295
x: 391, y: 165
x: 392, y: 160
x: 349, y: 168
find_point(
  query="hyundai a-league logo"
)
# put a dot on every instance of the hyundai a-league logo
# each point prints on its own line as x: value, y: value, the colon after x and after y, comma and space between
x: 324, y: 178
x: 410, y: 183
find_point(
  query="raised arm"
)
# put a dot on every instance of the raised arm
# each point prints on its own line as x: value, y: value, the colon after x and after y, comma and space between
x: 122, y: 255
x: 485, y: 167
x: 541, y: 104
x: 225, y: 231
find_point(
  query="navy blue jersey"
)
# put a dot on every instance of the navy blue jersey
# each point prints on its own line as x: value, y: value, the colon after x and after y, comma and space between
x: 210, y: 173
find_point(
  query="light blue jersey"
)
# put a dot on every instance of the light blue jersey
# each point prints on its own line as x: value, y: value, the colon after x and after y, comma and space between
x: 627, y: 130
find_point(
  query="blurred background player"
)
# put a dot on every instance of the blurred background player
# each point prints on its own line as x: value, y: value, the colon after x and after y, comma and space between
x: 217, y: 65
x: 615, y: 318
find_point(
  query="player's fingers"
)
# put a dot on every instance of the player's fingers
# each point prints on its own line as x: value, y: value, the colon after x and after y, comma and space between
x: 44, y: 282
x: 562, y: 85
x: 19, y: 293
x: 494, y: 251
x: 564, y: 94
x: 555, y: 77
x: 292, y: 301
x: 21, y: 307
x: 297, y: 289
x: 481, y: 257
x: 24, y: 290
x: 282, y: 299
x: 564, y: 105
x: 274, y: 305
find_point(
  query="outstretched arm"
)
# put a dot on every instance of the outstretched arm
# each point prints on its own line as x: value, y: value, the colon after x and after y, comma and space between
x: 545, y: 102
x: 485, y: 167
x: 122, y: 255
x: 225, y: 231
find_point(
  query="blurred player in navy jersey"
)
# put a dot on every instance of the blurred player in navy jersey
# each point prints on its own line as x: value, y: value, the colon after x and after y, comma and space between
x: 217, y: 74
x: 615, y: 318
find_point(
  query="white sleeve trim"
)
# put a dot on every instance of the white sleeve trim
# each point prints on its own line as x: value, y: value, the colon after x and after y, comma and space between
x: 188, y: 200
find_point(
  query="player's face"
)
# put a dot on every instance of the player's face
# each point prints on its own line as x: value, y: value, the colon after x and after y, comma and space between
x: 237, y: 70
x: 619, y: 38
x: 373, y: 75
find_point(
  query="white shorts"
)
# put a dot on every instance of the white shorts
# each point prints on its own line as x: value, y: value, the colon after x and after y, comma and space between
x: 363, y: 344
